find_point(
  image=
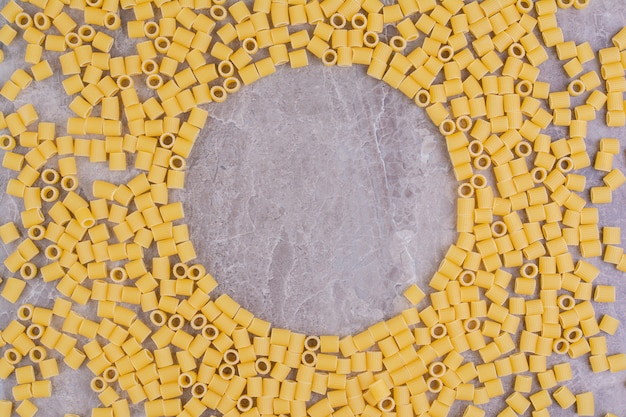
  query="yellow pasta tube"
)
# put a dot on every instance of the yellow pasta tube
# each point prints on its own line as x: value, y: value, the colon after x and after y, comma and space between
x: 585, y: 405
x: 12, y: 290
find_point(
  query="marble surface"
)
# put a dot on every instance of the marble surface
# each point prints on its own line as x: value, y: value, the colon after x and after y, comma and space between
x: 316, y: 196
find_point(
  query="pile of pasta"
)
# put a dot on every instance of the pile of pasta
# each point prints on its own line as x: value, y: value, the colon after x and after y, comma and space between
x: 509, y: 294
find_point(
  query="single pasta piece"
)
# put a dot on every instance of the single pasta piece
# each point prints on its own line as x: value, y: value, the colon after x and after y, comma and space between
x: 13, y: 289
x: 9, y: 233
x: 585, y: 404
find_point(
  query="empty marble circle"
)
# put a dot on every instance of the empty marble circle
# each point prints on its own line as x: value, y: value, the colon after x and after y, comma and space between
x: 315, y: 199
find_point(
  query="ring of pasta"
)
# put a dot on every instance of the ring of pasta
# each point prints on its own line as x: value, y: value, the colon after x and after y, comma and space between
x: 491, y: 109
